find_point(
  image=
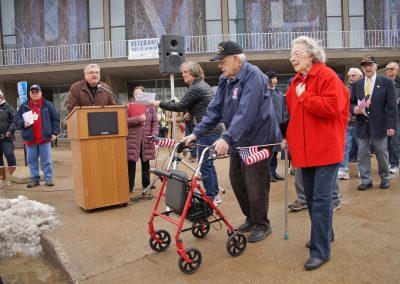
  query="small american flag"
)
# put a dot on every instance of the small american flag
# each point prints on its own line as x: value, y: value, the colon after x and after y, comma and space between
x: 163, y: 142
x: 362, y: 104
x: 251, y: 155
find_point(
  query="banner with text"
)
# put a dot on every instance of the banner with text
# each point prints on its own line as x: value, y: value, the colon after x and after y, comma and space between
x: 143, y: 48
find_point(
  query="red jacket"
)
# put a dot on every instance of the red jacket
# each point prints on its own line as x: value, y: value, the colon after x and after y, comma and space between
x: 318, y: 119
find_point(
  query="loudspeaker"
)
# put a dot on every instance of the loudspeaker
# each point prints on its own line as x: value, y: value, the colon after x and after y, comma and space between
x: 171, y: 53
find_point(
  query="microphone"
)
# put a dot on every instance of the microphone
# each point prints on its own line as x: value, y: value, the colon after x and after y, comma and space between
x: 104, y: 88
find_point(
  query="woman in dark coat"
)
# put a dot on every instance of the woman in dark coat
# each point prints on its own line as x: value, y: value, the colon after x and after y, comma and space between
x: 139, y: 144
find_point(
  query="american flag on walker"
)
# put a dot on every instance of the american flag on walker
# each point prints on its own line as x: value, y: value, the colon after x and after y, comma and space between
x: 251, y: 155
x: 163, y: 142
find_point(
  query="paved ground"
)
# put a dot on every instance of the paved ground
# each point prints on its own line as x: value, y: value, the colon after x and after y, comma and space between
x: 111, y: 244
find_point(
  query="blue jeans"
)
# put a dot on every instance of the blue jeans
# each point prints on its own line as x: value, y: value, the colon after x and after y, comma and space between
x: 208, y: 172
x: 33, y: 152
x: 318, y: 187
x: 344, y: 165
x: 188, y: 131
x: 7, y: 149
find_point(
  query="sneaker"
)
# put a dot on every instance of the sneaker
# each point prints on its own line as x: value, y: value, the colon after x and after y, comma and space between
x: 394, y: 170
x: 336, y: 206
x: 217, y: 200
x: 33, y: 183
x: 343, y: 175
x: 297, y: 205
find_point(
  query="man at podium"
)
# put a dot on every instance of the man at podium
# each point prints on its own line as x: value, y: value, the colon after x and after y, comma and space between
x: 90, y: 91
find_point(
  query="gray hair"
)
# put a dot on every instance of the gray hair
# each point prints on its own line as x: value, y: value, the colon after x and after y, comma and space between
x: 194, y: 69
x: 355, y: 71
x: 92, y: 65
x: 396, y: 65
x: 313, y: 48
x: 241, y: 57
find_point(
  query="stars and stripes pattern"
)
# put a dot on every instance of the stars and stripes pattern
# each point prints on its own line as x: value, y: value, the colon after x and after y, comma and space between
x: 251, y: 155
x: 364, y: 102
x: 163, y: 142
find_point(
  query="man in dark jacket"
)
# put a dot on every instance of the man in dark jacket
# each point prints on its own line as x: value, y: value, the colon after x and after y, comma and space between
x: 7, y: 130
x: 40, y: 124
x: 373, y: 101
x: 195, y: 102
x: 90, y: 91
x: 243, y: 103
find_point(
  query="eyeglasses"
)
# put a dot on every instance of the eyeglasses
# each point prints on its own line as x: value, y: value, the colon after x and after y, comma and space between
x: 295, y: 54
x: 223, y: 61
x: 93, y: 72
x: 35, y: 92
x: 390, y: 69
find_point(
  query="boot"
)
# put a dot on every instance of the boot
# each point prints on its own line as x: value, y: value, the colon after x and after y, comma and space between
x: 2, y: 173
x: 34, y: 182
x: 12, y: 169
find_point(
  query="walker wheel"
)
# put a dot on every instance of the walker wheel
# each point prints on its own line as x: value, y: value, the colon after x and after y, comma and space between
x: 165, y: 238
x: 190, y: 267
x: 236, y: 244
x: 200, y: 229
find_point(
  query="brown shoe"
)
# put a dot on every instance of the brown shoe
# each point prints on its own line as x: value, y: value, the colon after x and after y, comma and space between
x: 297, y: 205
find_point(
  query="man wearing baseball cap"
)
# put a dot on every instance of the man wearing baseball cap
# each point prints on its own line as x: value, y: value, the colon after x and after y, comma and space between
x: 244, y: 104
x: 38, y: 130
x: 373, y: 101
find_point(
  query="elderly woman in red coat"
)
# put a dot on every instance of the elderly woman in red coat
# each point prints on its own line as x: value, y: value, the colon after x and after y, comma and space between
x: 318, y: 103
x: 138, y: 142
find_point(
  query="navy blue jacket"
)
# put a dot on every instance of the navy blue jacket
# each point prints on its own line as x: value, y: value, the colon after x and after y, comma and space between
x: 382, y: 112
x: 245, y: 106
x: 50, y: 121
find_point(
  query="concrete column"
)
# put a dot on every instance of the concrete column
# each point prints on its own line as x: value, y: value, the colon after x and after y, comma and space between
x: 224, y: 16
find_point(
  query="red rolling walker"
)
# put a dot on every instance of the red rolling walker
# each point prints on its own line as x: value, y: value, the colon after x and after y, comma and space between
x: 188, y: 201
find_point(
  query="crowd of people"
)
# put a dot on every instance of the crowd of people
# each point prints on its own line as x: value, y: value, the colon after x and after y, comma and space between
x: 320, y: 118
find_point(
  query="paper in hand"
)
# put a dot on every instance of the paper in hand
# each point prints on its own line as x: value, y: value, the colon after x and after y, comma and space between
x: 145, y: 98
x: 28, y: 117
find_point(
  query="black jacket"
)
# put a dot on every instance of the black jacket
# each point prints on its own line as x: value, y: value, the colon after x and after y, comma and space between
x: 7, y: 114
x: 195, y: 102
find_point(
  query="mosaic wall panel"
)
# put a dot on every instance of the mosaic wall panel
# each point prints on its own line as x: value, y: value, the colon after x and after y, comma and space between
x: 50, y: 22
x: 382, y: 14
x: 285, y: 16
x: 152, y: 18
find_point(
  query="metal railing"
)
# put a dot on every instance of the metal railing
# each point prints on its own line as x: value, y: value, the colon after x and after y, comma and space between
x: 201, y: 44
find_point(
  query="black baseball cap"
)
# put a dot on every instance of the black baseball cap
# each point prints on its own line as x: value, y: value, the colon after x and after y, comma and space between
x: 225, y: 49
x: 35, y: 87
x: 367, y: 59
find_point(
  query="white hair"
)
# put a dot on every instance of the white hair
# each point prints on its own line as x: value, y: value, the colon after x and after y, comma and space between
x: 241, y: 57
x: 313, y: 48
x: 396, y: 65
x: 355, y: 71
x: 92, y: 65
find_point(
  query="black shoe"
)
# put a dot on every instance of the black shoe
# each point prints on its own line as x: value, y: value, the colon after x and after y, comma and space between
x: 33, y: 183
x: 314, y: 263
x: 258, y: 235
x: 278, y: 177
x: 49, y: 183
x: 384, y: 185
x: 273, y: 179
x: 245, y: 227
x: 364, y: 186
x: 308, y: 244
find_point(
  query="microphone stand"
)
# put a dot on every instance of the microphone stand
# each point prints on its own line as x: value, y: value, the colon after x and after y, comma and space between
x: 100, y: 86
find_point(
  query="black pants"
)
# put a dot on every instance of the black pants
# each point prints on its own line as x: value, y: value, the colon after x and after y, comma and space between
x: 273, y: 164
x: 251, y: 187
x: 145, y: 173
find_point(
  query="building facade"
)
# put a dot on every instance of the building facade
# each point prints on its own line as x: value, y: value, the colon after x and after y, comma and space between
x: 50, y: 41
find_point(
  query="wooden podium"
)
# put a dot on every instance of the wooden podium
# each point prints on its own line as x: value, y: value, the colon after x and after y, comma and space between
x: 99, y: 155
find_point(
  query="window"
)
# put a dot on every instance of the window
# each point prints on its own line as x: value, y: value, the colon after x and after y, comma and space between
x: 356, y: 19
x: 213, y: 17
x: 334, y: 23
x: 236, y: 16
x: 117, y: 25
x: 8, y: 24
